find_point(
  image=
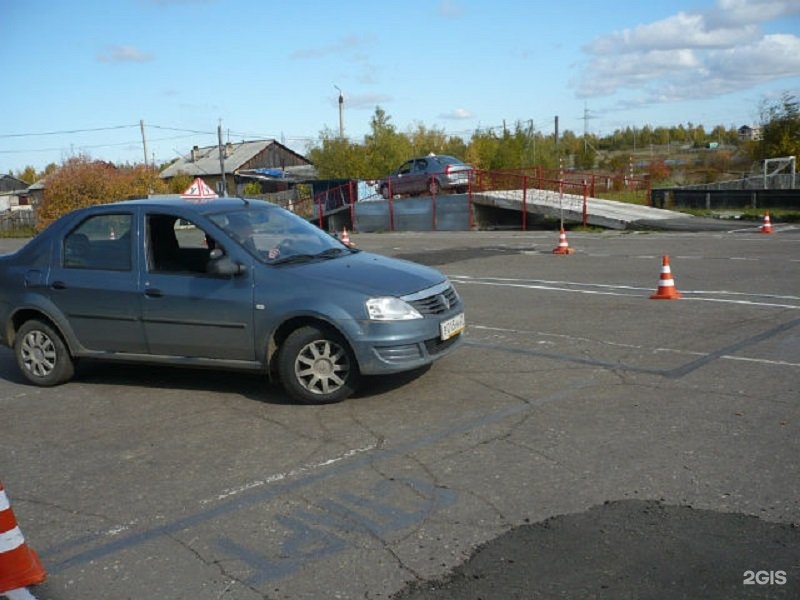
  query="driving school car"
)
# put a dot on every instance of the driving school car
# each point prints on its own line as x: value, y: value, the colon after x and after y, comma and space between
x: 173, y: 282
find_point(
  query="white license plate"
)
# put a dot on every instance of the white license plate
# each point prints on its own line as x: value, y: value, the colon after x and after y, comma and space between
x: 452, y: 326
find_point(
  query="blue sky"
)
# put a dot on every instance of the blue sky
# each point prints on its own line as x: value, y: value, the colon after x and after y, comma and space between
x: 80, y: 75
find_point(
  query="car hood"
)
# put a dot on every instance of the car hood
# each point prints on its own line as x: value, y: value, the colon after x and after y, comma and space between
x: 371, y: 274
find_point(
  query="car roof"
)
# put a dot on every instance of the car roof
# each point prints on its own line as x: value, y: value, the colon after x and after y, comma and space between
x: 439, y: 157
x: 205, y: 206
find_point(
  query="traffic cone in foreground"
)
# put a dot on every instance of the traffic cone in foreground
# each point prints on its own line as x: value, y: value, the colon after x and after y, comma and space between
x: 346, y: 238
x: 563, y: 246
x: 19, y: 565
x: 767, y: 226
x: 666, y: 285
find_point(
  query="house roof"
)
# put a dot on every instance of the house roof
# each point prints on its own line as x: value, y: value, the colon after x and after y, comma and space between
x: 205, y: 161
x: 12, y: 184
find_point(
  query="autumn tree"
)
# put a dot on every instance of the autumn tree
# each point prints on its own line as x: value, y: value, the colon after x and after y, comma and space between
x: 82, y: 182
x: 780, y: 128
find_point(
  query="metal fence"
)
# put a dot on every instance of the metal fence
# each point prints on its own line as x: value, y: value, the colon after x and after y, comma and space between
x: 343, y: 206
x: 777, y: 181
x: 726, y: 199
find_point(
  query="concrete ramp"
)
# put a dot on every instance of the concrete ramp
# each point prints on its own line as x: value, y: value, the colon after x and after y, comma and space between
x: 603, y: 213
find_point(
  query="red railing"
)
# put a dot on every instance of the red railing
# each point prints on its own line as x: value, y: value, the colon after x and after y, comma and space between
x: 572, y: 188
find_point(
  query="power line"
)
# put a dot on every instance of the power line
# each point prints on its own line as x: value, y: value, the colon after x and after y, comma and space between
x: 64, y: 132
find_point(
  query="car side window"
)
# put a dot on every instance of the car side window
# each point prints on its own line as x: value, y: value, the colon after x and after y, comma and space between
x: 175, y: 245
x: 420, y: 165
x: 405, y: 167
x: 102, y: 242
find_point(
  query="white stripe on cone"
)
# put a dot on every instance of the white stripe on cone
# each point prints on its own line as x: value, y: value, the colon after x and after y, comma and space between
x: 11, y: 540
x: 19, y: 594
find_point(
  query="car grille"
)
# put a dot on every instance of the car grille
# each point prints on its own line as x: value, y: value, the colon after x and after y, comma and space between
x: 435, y: 346
x: 436, y: 304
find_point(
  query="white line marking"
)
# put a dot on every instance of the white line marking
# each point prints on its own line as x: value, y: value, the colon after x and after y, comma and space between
x: 556, y: 286
x: 286, y: 475
x: 780, y: 363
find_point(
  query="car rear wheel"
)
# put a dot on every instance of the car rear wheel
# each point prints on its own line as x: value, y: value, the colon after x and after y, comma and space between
x: 316, y: 366
x: 42, y: 355
x: 433, y: 187
x: 385, y: 191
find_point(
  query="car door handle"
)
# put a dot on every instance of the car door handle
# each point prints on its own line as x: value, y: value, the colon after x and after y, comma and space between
x: 153, y: 293
x: 58, y: 285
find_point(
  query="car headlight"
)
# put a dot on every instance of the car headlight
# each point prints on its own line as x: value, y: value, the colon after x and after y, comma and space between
x: 391, y: 309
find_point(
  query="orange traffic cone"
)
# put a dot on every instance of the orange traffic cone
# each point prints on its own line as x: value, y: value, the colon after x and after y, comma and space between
x: 767, y: 226
x: 563, y: 246
x: 346, y: 238
x: 19, y: 565
x: 666, y: 285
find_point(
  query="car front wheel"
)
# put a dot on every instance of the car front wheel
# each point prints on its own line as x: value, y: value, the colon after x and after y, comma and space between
x: 316, y: 366
x: 42, y: 355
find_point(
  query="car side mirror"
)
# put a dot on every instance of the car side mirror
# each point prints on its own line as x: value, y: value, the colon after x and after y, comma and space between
x: 219, y: 264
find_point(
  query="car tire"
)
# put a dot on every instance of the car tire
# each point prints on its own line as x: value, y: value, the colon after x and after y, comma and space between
x: 434, y: 188
x: 317, y: 366
x: 42, y: 355
x: 385, y: 192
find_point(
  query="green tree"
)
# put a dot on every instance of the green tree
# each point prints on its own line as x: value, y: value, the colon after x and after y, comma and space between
x: 482, y: 147
x: 28, y: 175
x: 338, y: 158
x: 385, y: 147
x: 780, y: 128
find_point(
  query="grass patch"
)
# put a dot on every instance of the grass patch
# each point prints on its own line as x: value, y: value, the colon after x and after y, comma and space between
x: 24, y: 231
x: 747, y: 214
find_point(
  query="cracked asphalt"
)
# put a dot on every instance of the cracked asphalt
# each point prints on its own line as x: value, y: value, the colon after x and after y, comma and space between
x: 585, y: 442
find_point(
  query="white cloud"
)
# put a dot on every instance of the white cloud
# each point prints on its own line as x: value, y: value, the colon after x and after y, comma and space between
x: 680, y: 31
x: 741, y: 12
x: 773, y: 57
x: 116, y: 54
x: 449, y: 9
x: 345, y: 44
x: 457, y: 114
x: 365, y: 101
x: 694, y: 54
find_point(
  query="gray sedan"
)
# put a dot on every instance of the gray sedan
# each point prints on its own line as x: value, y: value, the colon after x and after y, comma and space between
x: 427, y: 174
x: 228, y: 283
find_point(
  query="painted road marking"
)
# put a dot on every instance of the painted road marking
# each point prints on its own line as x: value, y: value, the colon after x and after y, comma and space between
x: 624, y: 290
x: 288, y: 474
x: 780, y: 363
x: 86, y: 549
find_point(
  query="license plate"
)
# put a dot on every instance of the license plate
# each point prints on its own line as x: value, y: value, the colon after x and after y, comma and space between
x: 452, y: 326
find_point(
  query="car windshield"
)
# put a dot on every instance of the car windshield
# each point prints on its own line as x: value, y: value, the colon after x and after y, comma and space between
x: 275, y: 235
x: 443, y: 159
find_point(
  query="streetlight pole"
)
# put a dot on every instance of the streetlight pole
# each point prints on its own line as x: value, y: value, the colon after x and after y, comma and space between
x: 341, y: 112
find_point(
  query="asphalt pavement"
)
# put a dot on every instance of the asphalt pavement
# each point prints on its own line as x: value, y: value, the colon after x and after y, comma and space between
x: 585, y: 442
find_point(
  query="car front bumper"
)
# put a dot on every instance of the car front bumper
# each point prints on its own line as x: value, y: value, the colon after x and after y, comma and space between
x: 401, y: 346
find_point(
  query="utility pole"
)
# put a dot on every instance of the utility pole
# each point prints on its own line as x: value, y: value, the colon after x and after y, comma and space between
x: 556, y: 125
x: 341, y: 112
x: 586, y: 117
x: 144, y: 143
x: 222, y: 159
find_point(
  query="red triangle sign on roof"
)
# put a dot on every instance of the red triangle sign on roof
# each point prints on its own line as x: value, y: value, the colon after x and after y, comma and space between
x: 199, y: 190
